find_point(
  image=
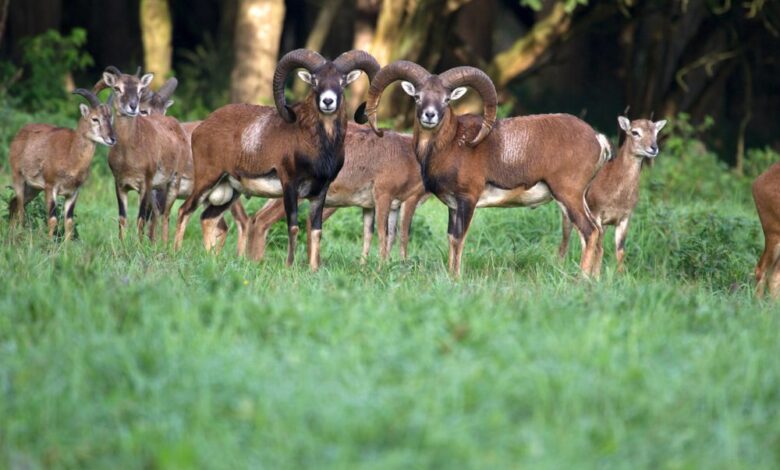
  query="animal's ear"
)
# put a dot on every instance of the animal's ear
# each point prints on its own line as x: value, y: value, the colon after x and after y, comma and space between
x: 147, y: 79
x: 168, y: 104
x: 84, y: 109
x: 659, y: 125
x: 353, y: 75
x: 306, y: 77
x: 408, y: 88
x: 109, y: 79
x: 458, y: 93
x: 624, y: 123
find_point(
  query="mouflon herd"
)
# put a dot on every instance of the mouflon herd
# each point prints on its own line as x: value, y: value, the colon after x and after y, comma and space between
x: 311, y: 150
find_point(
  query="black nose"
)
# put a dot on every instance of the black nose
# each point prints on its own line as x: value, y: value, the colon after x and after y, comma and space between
x: 327, y: 101
x: 654, y: 148
x: 430, y: 115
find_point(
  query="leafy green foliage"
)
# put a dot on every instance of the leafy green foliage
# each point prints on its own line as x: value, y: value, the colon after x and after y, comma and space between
x: 757, y: 160
x: 204, y: 80
x: 47, y: 59
x: 687, y: 170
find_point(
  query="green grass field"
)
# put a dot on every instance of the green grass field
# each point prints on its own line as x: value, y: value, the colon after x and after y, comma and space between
x: 127, y: 355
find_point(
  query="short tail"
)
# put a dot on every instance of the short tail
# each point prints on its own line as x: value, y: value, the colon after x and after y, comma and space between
x: 606, y: 149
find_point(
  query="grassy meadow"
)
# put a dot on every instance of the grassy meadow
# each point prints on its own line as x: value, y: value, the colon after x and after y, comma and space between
x: 127, y: 355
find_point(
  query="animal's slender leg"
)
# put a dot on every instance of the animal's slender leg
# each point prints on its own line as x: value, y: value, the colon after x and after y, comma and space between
x: 382, y: 213
x: 621, y: 231
x: 69, y: 209
x: 242, y: 224
x: 451, y: 221
x: 368, y: 233
x: 465, y: 213
x: 290, y: 196
x: 566, y: 227
x: 214, y: 226
x: 269, y: 214
x: 392, y: 228
x: 589, y: 233
x: 51, y: 209
x: 121, y: 201
x: 408, y: 209
x: 771, y: 245
x: 315, y: 234
x: 189, y: 206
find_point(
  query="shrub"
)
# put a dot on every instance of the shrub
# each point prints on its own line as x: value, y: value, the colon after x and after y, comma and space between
x: 686, y: 169
x: 47, y: 60
x: 758, y: 160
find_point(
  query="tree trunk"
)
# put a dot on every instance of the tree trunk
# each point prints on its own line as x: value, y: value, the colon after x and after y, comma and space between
x: 527, y: 50
x: 3, y: 17
x: 156, y: 33
x: 412, y: 30
x: 319, y: 33
x: 365, y: 18
x: 258, y: 31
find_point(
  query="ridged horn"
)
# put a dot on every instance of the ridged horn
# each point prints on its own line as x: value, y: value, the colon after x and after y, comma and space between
x: 299, y: 58
x: 101, y: 85
x: 166, y: 91
x: 398, y: 70
x: 93, y: 100
x: 482, y: 84
x: 357, y: 59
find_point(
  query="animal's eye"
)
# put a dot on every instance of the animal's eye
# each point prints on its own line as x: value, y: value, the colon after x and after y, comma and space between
x: 144, y: 112
x: 635, y: 133
x: 94, y: 119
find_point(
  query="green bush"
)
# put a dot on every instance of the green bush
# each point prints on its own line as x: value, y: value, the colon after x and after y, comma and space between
x: 686, y: 169
x: 47, y: 60
x: 204, y: 79
x: 758, y: 160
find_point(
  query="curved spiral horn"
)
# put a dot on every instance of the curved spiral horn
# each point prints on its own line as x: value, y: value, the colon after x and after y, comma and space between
x: 93, y: 100
x: 101, y: 85
x: 357, y: 59
x: 482, y: 84
x: 398, y: 70
x: 166, y: 91
x: 299, y: 58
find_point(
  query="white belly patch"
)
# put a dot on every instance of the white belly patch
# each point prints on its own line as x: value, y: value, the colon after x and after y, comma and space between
x: 264, y: 186
x: 534, y: 196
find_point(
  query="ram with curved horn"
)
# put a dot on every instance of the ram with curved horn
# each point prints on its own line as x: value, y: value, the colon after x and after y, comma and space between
x: 56, y: 160
x: 470, y: 161
x: 150, y: 154
x: 380, y: 175
x: 289, y: 152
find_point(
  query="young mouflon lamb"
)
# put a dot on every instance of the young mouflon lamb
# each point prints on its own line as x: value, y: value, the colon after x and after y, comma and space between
x: 614, y: 192
x: 56, y: 160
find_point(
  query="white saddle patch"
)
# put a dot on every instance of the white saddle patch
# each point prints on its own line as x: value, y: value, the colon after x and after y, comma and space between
x: 534, y: 196
x: 253, y: 134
